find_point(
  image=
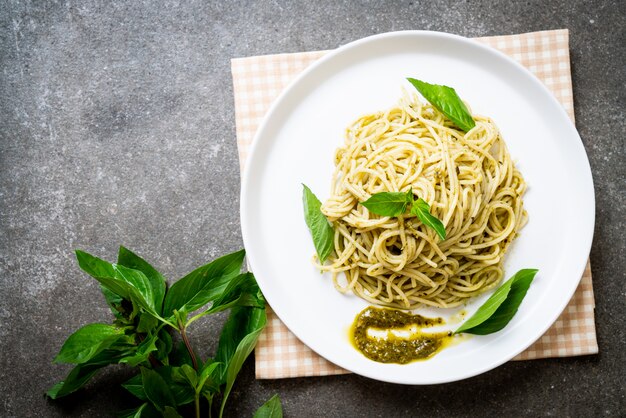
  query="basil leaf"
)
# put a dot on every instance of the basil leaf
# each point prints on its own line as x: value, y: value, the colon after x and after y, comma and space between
x: 135, y: 386
x: 206, y: 384
x: 388, y: 203
x: 150, y: 411
x: 128, y: 283
x: 164, y: 346
x: 131, y: 260
x: 170, y: 412
x: 237, y: 340
x: 242, y: 290
x: 146, y: 410
x: 421, y: 209
x: 142, y: 351
x: 88, y: 341
x: 500, y: 308
x: 178, y: 384
x: 157, y: 390
x: 321, y: 230
x: 82, y: 373
x: 270, y: 409
x: 175, y: 379
x: 133, y: 413
x: 447, y: 101
x: 146, y: 323
x: 203, y: 285
x: 115, y: 303
x: 189, y: 375
x: 76, y: 379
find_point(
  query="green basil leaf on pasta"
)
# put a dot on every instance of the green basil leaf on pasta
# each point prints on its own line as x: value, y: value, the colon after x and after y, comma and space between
x: 421, y: 209
x: 321, y: 230
x: 500, y: 308
x: 388, y: 203
x: 447, y: 101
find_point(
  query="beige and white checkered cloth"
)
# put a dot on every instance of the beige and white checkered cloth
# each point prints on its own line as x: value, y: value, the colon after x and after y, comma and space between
x: 259, y: 80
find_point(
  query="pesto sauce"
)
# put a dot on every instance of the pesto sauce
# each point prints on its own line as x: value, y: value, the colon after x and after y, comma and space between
x: 394, y: 349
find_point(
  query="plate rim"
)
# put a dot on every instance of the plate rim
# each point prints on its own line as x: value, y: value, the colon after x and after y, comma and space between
x: 590, y: 224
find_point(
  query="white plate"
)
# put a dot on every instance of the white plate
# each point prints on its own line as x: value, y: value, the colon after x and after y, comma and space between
x: 296, y: 142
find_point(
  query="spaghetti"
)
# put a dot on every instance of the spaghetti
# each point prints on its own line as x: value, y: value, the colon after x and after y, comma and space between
x: 468, y: 179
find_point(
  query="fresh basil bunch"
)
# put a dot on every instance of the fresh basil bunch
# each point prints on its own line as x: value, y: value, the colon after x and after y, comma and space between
x: 169, y: 376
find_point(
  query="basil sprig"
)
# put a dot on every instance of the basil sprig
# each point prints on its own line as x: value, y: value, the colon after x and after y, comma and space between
x: 500, y: 308
x: 388, y: 203
x: 168, y: 376
x: 322, y: 231
x: 395, y: 204
x: 447, y: 101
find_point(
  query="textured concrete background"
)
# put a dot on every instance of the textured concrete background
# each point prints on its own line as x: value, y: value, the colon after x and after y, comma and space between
x: 117, y: 127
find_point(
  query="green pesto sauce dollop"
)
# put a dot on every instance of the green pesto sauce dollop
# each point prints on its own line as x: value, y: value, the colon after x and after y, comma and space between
x: 394, y: 349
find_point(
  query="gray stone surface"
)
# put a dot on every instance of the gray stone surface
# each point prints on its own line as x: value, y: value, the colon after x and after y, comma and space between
x: 117, y: 127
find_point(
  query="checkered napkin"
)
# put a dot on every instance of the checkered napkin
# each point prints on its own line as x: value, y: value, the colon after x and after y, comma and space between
x: 259, y: 80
